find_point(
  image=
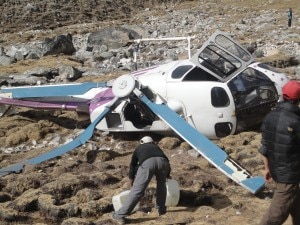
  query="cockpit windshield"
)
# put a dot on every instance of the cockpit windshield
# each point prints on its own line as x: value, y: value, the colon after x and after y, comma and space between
x: 222, y: 57
x: 254, y: 93
x: 218, y: 61
x: 233, y: 48
x: 252, y: 88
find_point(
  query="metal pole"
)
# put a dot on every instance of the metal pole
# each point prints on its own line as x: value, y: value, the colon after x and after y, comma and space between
x: 135, y: 51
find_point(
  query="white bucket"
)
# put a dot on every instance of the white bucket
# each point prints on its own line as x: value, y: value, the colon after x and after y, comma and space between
x: 173, y: 192
x: 119, y: 200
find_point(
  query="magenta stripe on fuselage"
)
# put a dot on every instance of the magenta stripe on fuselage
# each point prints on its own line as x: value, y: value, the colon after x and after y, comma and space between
x: 143, y: 71
x: 101, y: 99
x: 41, y: 105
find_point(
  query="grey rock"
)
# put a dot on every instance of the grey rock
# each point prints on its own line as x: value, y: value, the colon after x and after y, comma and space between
x: 113, y: 37
x: 59, y: 44
x: 6, y: 60
x: 69, y: 73
x: 193, y: 153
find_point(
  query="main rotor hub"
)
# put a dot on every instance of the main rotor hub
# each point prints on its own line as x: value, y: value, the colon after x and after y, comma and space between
x: 123, y: 86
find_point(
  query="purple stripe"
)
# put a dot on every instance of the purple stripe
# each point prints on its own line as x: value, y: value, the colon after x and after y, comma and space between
x: 143, y: 71
x: 40, y: 105
x: 101, y: 99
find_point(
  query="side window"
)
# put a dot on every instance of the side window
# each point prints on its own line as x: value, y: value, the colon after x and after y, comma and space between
x: 197, y: 74
x: 180, y: 71
x: 268, y: 67
x: 219, y: 97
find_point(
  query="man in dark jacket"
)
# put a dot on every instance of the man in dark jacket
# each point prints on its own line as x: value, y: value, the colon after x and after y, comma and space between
x: 148, y: 160
x: 290, y: 17
x: 281, y: 155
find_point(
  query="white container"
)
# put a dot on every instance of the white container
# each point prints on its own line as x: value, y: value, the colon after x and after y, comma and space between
x: 173, y: 192
x: 119, y: 200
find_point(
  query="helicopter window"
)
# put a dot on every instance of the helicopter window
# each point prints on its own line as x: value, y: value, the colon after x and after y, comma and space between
x: 232, y: 48
x: 180, y: 71
x: 223, y: 129
x: 198, y: 74
x: 113, y: 120
x: 268, y: 67
x: 252, y: 88
x: 219, y: 97
x: 138, y: 114
x: 218, y: 61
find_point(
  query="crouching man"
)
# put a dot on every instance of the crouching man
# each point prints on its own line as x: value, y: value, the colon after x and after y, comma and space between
x: 147, y: 160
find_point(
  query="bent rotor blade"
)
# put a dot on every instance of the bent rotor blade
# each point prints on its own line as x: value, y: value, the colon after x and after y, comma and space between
x: 205, y: 147
x: 51, y: 90
x: 80, y: 140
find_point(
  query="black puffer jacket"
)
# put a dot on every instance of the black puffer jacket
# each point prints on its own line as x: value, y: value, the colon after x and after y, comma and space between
x: 281, y: 142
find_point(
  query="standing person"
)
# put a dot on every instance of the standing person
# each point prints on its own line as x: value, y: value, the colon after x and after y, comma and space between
x: 147, y: 160
x: 281, y: 155
x: 290, y: 17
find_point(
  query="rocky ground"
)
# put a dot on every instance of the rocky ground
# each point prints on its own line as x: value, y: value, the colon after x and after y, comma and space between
x: 77, y: 187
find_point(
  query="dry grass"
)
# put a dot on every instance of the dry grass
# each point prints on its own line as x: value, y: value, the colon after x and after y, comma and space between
x: 53, y: 61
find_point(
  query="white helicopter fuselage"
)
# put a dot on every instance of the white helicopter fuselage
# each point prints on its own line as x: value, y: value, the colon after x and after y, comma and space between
x: 219, y: 91
x: 209, y: 106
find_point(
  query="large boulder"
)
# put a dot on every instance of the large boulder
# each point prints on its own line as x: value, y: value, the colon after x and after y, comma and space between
x: 61, y: 44
x: 112, y: 37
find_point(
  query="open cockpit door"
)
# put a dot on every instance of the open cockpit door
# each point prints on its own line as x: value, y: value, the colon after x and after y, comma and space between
x: 222, y: 56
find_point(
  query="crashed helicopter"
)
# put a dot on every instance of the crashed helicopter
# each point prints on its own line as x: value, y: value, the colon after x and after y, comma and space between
x: 220, y: 90
x: 217, y: 92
